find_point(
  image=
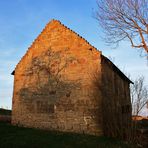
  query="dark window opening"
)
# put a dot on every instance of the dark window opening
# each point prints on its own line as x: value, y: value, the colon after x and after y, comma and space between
x: 68, y: 94
x: 53, y: 92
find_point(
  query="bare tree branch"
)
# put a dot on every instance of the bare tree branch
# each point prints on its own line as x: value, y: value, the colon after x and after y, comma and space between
x: 124, y: 19
x: 139, y: 95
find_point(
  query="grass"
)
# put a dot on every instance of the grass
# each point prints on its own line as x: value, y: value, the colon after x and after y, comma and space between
x: 5, y: 111
x: 19, y: 137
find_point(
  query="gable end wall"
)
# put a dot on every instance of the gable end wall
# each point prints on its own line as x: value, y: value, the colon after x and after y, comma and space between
x: 79, y: 111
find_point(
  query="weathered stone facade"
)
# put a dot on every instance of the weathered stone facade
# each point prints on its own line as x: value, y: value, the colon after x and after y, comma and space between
x: 55, y: 84
x: 116, y: 101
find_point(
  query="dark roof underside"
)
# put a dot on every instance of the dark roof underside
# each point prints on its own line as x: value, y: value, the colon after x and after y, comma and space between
x: 116, y: 69
x: 13, y: 72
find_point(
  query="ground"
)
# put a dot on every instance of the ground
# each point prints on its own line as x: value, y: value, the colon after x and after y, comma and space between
x: 18, y: 137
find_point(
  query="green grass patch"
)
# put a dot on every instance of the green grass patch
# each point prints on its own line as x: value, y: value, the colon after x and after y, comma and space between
x: 19, y: 137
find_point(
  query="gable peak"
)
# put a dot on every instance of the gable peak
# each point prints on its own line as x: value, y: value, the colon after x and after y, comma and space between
x: 54, y: 21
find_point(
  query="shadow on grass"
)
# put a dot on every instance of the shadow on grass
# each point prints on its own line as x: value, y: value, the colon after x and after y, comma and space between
x: 19, y: 137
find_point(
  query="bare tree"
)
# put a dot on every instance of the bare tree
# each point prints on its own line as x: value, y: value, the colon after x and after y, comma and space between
x: 139, y: 95
x: 124, y: 19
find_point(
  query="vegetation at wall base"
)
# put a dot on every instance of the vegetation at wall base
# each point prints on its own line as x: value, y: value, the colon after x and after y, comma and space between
x: 19, y: 137
x: 5, y: 111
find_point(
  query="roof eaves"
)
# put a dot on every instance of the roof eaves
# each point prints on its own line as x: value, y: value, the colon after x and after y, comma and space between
x: 115, y: 68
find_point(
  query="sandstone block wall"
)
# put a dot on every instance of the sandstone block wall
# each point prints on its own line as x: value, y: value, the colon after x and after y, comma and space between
x: 116, y: 98
x: 64, y: 100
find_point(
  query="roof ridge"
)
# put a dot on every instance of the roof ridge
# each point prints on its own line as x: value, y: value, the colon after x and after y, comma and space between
x: 77, y: 34
x: 46, y: 26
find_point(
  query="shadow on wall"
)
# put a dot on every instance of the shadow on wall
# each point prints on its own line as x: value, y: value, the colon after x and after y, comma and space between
x: 44, y: 82
x: 116, y: 113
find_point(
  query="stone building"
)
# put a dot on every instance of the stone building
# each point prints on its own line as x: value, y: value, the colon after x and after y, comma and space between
x: 63, y: 83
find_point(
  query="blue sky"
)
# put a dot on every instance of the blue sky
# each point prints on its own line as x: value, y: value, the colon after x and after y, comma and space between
x: 22, y: 20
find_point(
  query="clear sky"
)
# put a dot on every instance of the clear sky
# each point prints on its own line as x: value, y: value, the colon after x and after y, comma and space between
x: 22, y: 20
